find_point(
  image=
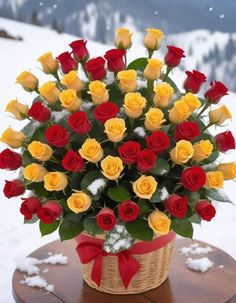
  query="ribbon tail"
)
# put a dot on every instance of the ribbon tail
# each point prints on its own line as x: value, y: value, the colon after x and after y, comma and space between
x: 96, y: 274
x: 128, y: 267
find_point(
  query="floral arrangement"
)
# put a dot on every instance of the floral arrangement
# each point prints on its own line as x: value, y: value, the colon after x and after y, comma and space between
x: 116, y: 146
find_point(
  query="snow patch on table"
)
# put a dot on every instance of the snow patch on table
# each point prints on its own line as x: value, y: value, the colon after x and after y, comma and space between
x: 202, y: 264
x: 195, y: 249
x: 37, y: 281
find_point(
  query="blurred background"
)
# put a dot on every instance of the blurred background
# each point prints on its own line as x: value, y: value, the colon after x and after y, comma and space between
x: 205, y: 29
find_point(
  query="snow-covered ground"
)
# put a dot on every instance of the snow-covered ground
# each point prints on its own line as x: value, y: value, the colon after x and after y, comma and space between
x: 18, y: 240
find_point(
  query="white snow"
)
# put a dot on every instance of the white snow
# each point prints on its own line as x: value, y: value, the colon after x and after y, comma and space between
x: 140, y: 131
x: 57, y: 116
x: 195, y: 249
x: 28, y: 265
x: 202, y: 264
x: 55, y: 259
x: 37, y: 281
x: 96, y: 185
x: 164, y: 194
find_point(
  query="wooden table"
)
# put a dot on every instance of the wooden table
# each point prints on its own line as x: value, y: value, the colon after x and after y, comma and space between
x: 218, y: 285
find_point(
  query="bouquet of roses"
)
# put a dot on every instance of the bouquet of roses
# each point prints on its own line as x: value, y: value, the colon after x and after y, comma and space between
x: 117, y: 146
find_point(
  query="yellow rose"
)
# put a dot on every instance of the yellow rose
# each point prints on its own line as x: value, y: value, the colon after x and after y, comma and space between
x: 134, y: 104
x: 40, y: 151
x: 98, y: 92
x: 91, y: 150
x: 115, y: 129
x: 123, y: 38
x: 69, y: 100
x: 154, y: 119
x: 228, y: 170
x: 179, y: 113
x: 159, y: 222
x: 79, y: 202
x: 127, y: 80
x: 12, y: 138
x: 182, y: 152
x: 50, y: 92
x: 28, y: 81
x: 112, y: 167
x: 192, y: 101
x: 49, y: 64
x: 17, y: 109
x: 34, y: 172
x: 152, y: 70
x: 214, y: 179
x: 220, y: 115
x: 55, y: 181
x: 163, y: 93
x: 72, y: 81
x: 145, y: 186
x: 152, y: 39
x: 202, y: 150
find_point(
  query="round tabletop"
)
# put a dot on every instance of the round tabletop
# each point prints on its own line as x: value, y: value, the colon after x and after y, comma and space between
x: 218, y: 285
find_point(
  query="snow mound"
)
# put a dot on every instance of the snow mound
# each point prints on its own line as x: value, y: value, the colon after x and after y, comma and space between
x: 202, y: 264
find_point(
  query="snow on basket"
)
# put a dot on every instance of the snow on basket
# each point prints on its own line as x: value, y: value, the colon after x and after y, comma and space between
x: 115, y: 155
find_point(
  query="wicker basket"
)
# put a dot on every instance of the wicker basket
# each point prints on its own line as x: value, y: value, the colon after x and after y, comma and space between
x: 153, y: 272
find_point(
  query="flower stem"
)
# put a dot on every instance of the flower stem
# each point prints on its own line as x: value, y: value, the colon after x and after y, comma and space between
x: 208, y: 125
x: 205, y: 107
x: 168, y: 70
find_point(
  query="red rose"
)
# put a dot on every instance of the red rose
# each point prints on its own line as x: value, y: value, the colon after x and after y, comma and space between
x: 146, y: 160
x: 105, y: 111
x: 106, y: 219
x: 194, y: 81
x: 158, y: 141
x: 72, y: 161
x: 115, y: 59
x: 95, y: 67
x: 13, y: 188
x: 10, y: 160
x: 79, y: 123
x: 39, y: 112
x: 177, y: 206
x: 188, y: 130
x: 80, y: 50
x: 129, y: 151
x: 193, y: 178
x: 29, y: 207
x: 57, y: 136
x: 205, y: 210
x: 216, y: 92
x: 128, y: 211
x: 225, y: 141
x: 50, y: 212
x: 67, y: 62
x: 173, y: 56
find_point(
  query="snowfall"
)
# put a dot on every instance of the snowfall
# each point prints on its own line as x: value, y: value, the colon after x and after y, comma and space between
x: 18, y: 240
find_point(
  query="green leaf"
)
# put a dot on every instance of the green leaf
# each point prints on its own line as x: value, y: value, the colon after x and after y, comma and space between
x: 182, y: 227
x: 89, y: 178
x: 70, y: 227
x: 143, y: 206
x: 172, y: 83
x: 118, y: 194
x: 213, y: 157
x: 31, y: 221
x: 195, y: 219
x: 90, y: 225
x: 39, y: 189
x: 156, y: 197
x: 47, y: 229
x: 218, y: 195
x: 139, y: 229
x: 138, y: 64
x: 29, y: 129
x: 203, y: 101
x: 39, y: 134
x: 27, y: 158
x: 161, y: 167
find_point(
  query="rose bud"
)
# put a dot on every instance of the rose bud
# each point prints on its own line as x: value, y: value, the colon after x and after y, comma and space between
x: 127, y: 80
x: 13, y: 188
x: 152, y: 70
x: 158, y: 142
x: 193, y: 178
x: 194, y: 81
x: 50, y: 212
x: 79, y: 50
x: 214, y: 179
x: 152, y: 39
x: 134, y: 103
x: 57, y: 136
x: 55, y: 181
x: 115, y: 59
x: 115, y: 129
x: 128, y: 211
x: 10, y: 160
x: 177, y: 206
x: 163, y: 93
x: 173, y: 56
x: 187, y: 130
x: 154, y: 119
x: 50, y: 92
x: 72, y: 81
x: 79, y: 123
x: 69, y: 100
x: 72, y: 162
x: 146, y: 160
x: 40, y: 151
x: 105, y: 111
x: 219, y: 115
x: 67, y: 62
x: 216, y: 92
x: 17, y: 109
x: 129, y: 152
x: 205, y: 210
x: 106, y: 219
x: 29, y: 207
x: 179, y: 112
x: 39, y: 112
x: 28, y: 81
x: 34, y: 172
x: 49, y: 64
x: 112, y: 167
x: 228, y: 170
x: 13, y: 138
x: 225, y: 141
x: 98, y: 92
x: 159, y: 222
x: 123, y: 38
x: 202, y: 150
x: 95, y: 68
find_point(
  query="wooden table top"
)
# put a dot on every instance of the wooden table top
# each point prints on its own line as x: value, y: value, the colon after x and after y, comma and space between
x: 218, y: 285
